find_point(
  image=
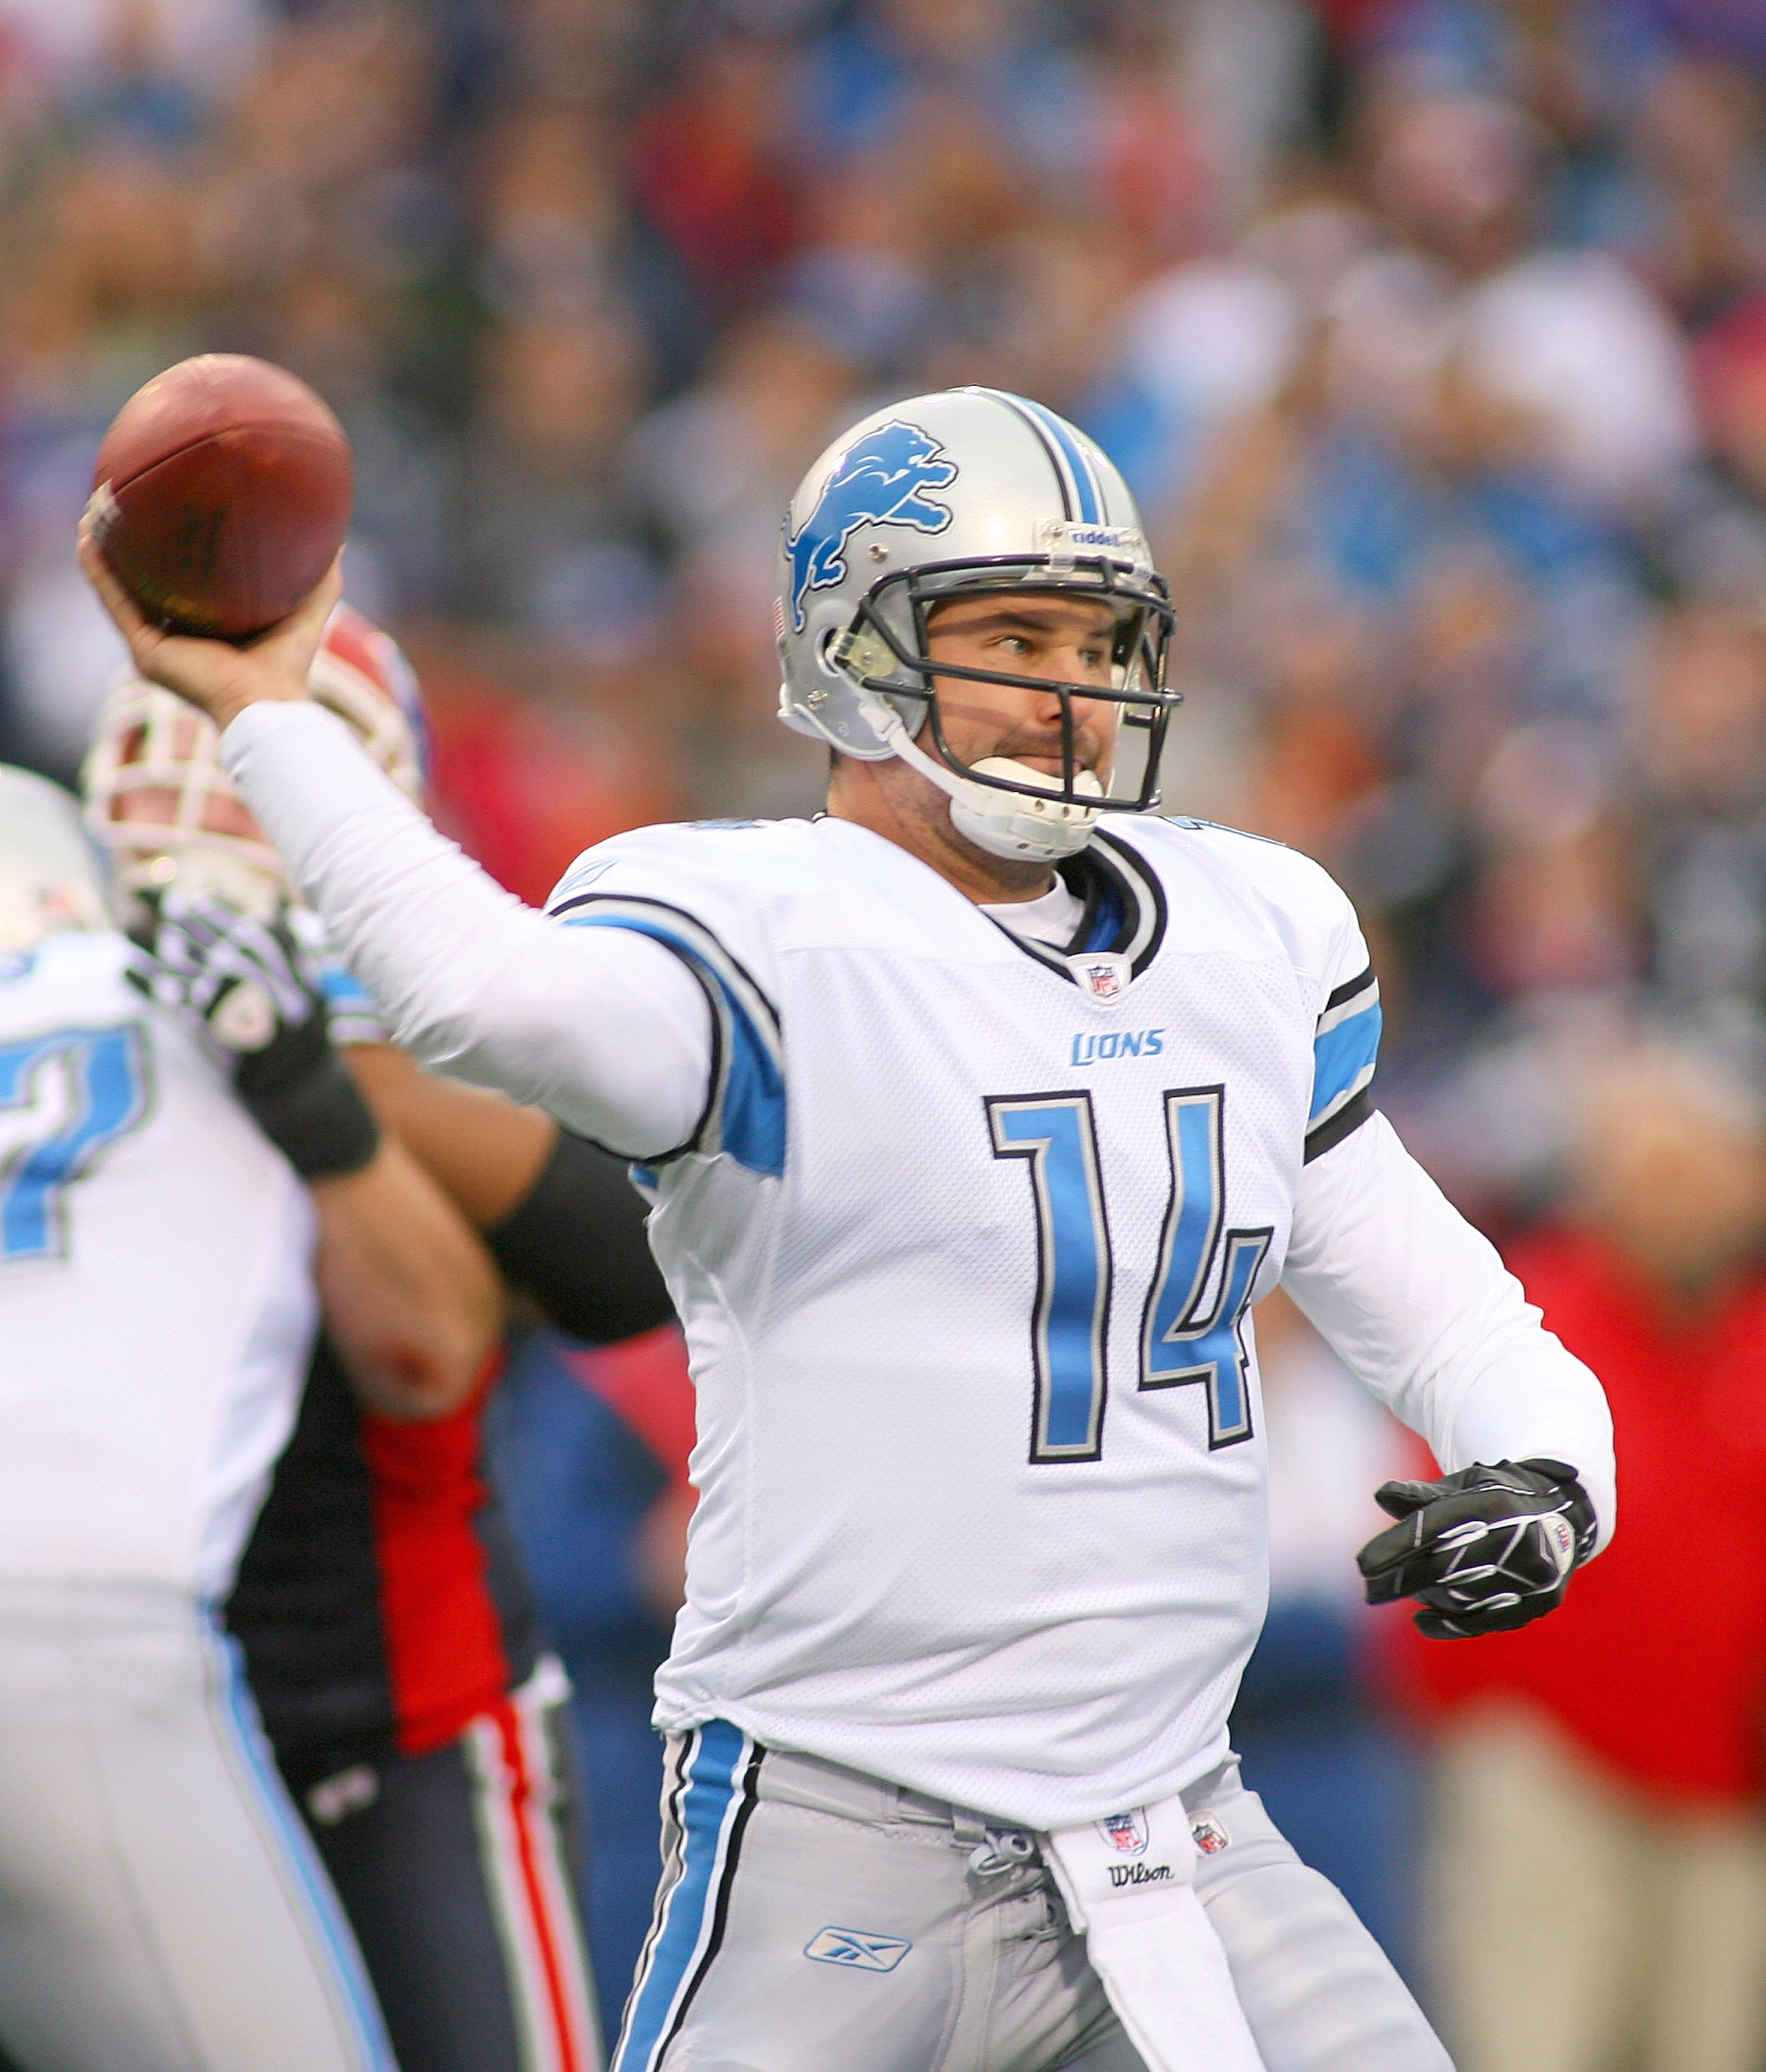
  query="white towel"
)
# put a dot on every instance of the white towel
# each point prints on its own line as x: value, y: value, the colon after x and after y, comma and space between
x: 1129, y: 1886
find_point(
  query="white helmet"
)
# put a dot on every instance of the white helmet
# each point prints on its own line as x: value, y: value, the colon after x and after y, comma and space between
x: 158, y: 798
x: 51, y: 879
x: 966, y: 492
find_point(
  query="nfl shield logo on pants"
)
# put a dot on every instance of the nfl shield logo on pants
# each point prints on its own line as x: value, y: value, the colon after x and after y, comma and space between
x: 1126, y: 1833
x: 1210, y: 1831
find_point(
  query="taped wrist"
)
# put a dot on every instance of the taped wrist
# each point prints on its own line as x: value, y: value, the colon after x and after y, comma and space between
x: 578, y: 1244
x: 300, y: 1094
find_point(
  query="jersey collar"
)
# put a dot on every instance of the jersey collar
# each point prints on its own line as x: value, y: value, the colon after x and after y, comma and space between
x: 1124, y: 920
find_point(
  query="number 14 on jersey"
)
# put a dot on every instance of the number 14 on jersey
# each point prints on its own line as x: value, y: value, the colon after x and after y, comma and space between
x: 1185, y: 1340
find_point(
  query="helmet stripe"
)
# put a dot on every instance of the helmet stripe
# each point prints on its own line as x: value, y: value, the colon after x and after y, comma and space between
x: 1090, y: 512
x: 1021, y: 408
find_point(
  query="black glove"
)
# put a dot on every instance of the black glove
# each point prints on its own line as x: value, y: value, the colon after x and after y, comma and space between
x: 257, y: 1006
x: 1486, y: 1550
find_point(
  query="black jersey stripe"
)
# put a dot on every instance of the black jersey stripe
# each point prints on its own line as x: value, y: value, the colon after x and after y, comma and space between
x: 1331, y: 1131
x: 1349, y: 989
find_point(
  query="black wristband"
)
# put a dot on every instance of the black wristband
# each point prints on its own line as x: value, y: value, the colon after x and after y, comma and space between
x: 578, y: 1245
x: 318, y: 1120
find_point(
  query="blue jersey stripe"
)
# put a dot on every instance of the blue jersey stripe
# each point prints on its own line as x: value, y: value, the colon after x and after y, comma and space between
x: 751, y: 1117
x: 1343, y: 1056
x: 1090, y: 512
x: 337, y: 1944
x: 713, y: 1783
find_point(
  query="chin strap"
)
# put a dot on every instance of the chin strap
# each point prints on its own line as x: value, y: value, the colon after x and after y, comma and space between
x: 1005, y: 823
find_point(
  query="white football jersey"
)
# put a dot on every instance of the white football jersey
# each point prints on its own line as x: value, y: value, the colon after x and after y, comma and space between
x: 965, y: 1247
x: 156, y: 1308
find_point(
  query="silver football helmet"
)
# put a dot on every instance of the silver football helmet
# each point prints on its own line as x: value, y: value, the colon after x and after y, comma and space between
x: 53, y: 878
x: 966, y: 492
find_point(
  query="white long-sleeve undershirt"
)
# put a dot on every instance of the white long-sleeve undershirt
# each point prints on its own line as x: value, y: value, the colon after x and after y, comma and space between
x: 611, y: 1033
x: 603, y: 1028
x: 1418, y: 1303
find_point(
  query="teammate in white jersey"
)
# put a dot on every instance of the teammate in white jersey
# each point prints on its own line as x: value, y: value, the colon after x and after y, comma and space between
x: 977, y: 1112
x: 161, y: 1908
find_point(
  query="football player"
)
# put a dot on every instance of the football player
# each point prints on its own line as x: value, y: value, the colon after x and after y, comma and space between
x: 388, y: 1627
x: 160, y: 1906
x: 977, y: 1113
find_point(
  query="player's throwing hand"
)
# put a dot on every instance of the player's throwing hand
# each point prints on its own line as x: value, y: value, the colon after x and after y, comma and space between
x: 214, y: 675
x: 1485, y: 1550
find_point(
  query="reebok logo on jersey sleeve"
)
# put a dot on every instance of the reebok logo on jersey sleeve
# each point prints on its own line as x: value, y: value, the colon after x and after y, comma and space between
x: 578, y: 876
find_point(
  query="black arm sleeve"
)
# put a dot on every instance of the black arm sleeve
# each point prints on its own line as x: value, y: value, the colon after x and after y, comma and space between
x: 578, y: 1245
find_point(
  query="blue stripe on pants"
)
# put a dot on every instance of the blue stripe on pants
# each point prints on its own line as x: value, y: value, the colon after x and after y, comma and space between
x: 714, y: 1766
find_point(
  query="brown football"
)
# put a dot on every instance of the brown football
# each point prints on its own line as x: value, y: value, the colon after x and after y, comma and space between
x: 222, y: 495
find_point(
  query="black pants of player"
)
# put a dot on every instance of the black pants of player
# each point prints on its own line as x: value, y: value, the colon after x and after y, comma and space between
x: 454, y: 1868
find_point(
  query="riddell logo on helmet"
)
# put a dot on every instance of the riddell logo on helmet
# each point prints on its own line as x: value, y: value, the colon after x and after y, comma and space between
x: 1059, y: 536
x: 880, y: 480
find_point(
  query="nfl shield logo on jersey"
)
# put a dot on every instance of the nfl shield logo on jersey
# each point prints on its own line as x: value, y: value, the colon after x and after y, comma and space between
x: 1103, y: 977
x: 1126, y: 1833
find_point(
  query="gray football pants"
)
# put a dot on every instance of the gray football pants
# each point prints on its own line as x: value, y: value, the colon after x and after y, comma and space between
x: 811, y: 1918
x: 162, y: 1909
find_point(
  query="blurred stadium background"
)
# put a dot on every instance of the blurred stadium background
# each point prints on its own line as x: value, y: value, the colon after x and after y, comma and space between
x: 1432, y: 335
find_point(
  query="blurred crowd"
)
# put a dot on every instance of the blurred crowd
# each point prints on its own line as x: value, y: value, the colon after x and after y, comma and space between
x: 1431, y: 335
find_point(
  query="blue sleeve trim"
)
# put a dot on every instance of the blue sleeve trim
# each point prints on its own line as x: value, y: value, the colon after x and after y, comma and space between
x: 1343, y: 1060
x: 746, y: 1107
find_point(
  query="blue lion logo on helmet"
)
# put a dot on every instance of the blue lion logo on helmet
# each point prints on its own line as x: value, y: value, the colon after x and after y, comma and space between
x: 880, y: 481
